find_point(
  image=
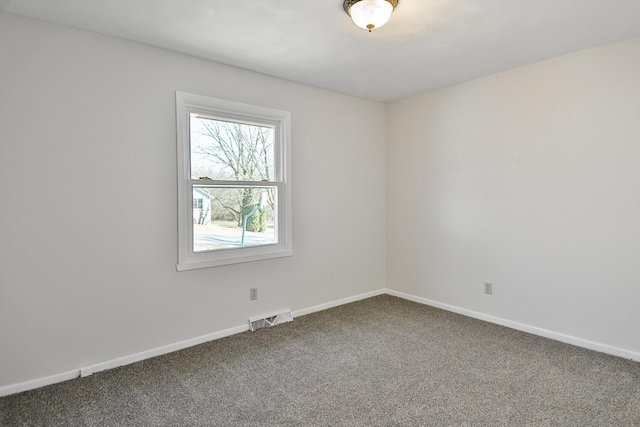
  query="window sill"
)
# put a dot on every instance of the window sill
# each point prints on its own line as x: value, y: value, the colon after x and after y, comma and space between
x: 234, y: 257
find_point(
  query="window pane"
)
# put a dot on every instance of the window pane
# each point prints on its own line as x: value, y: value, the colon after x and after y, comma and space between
x: 223, y: 150
x: 232, y: 217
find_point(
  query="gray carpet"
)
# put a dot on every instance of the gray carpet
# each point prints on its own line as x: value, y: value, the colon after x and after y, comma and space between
x: 383, y: 361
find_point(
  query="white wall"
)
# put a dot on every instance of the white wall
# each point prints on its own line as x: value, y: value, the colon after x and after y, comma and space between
x: 529, y: 179
x: 87, y: 123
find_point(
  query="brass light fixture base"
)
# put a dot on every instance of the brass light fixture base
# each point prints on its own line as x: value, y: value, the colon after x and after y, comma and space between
x: 348, y: 3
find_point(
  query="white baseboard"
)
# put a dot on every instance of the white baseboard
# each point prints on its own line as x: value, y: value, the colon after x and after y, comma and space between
x: 342, y: 301
x: 568, y: 339
x: 37, y: 383
x: 126, y: 360
x: 158, y: 351
x: 121, y: 361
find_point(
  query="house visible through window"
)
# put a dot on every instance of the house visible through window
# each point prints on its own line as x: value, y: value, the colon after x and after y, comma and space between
x: 233, y: 171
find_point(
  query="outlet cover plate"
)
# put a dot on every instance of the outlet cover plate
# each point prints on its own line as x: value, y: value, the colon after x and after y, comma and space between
x: 488, y: 288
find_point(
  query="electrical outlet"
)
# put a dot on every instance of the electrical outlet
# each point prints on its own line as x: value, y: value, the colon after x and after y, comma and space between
x: 253, y: 294
x: 488, y: 288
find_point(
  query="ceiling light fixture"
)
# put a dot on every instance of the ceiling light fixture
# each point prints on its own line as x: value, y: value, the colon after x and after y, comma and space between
x: 369, y: 14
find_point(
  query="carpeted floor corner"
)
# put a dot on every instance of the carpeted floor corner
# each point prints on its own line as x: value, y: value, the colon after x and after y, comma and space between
x: 383, y: 361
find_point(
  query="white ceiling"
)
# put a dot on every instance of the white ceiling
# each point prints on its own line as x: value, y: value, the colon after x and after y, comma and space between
x: 427, y: 44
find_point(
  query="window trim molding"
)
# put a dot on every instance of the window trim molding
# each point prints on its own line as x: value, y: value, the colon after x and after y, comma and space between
x: 187, y: 103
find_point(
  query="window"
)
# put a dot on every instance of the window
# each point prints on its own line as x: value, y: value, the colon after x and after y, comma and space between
x: 234, y: 194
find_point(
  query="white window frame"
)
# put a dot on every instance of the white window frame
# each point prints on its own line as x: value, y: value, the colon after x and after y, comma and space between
x: 188, y: 103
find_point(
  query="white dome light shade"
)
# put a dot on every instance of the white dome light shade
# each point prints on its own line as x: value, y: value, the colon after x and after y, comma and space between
x: 370, y: 14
